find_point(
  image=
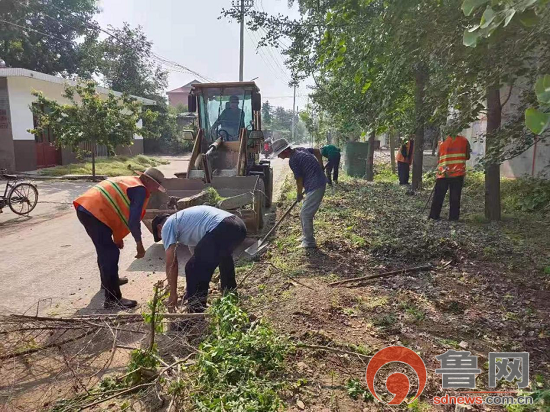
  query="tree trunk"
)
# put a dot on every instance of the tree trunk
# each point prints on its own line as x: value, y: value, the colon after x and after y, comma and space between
x: 93, y: 159
x: 421, y: 77
x: 370, y: 159
x: 392, y: 150
x: 435, y: 141
x: 492, y: 168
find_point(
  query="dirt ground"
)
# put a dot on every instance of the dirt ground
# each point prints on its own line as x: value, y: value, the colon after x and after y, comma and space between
x: 49, y: 263
x: 52, y: 271
x: 486, y: 291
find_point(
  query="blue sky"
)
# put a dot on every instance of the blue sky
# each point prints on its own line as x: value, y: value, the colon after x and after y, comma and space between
x: 190, y: 33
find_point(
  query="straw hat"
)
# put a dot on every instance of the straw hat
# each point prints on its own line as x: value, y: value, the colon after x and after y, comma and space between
x: 279, y: 146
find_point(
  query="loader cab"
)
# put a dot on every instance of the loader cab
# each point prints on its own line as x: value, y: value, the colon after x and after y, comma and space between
x: 226, y: 110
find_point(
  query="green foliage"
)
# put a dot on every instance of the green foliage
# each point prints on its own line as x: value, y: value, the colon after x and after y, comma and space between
x: 159, y: 308
x: 499, y: 13
x: 419, y: 406
x: 267, y: 111
x: 542, y: 89
x: 89, y: 118
x: 140, y: 359
x: 66, y: 27
x: 127, y: 65
x: 541, y: 402
x: 213, y: 197
x: 240, y: 363
x: 356, y: 390
x: 526, y: 195
x: 538, y: 120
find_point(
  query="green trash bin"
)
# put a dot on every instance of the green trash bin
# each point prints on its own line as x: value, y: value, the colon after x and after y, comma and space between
x: 355, y: 158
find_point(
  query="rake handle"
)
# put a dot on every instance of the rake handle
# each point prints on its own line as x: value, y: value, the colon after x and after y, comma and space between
x: 279, y: 222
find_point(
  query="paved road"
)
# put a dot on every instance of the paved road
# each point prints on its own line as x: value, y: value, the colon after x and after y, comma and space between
x: 48, y: 258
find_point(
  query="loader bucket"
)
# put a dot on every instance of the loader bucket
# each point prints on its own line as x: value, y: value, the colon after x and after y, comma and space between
x: 225, y: 186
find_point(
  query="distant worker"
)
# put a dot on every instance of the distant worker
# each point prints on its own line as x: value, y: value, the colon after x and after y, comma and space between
x: 451, y: 169
x: 231, y: 121
x: 310, y: 179
x: 314, y: 152
x: 109, y: 211
x: 214, y: 234
x: 404, y: 160
x: 332, y: 153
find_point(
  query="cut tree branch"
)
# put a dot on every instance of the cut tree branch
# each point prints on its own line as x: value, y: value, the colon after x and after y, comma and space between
x: 382, y: 275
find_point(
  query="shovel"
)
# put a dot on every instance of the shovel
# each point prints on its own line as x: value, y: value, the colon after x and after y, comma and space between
x: 260, y: 245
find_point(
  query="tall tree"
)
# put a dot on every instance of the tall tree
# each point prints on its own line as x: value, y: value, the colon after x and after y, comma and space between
x: 49, y: 36
x: 128, y: 64
x: 267, y: 113
x: 507, y: 53
x: 89, y: 118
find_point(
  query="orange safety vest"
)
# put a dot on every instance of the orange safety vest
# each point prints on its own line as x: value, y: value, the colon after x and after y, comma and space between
x: 108, y: 202
x: 401, y: 158
x: 453, y: 153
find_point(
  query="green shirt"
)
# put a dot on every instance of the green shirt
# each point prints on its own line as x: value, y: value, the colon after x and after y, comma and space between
x: 330, y: 151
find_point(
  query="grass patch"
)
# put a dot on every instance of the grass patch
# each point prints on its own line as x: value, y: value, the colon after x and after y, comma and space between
x: 356, y: 390
x: 109, y: 166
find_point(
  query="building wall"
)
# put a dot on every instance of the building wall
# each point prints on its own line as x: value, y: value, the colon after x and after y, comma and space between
x: 7, y: 157
x: 176, y: 99
x: 20, y: 99
x: 530, y: 163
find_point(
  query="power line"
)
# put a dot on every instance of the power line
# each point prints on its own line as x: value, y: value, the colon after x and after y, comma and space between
x: 162, y: 60
x: 267, y: 61
x: 272, y: 61
x: 27, y: 28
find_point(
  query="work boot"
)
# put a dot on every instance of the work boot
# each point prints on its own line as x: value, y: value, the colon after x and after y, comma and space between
x: 121, y: 281
x: 121, y: 303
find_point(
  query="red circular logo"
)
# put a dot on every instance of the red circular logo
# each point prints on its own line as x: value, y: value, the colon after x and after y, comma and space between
x: 397, y: 383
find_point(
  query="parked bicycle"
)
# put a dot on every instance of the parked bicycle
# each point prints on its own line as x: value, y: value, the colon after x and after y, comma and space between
x: 21, y: 197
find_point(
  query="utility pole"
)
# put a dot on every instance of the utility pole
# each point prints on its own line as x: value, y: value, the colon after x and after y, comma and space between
x: 242, y: 6
x: 294, y: 114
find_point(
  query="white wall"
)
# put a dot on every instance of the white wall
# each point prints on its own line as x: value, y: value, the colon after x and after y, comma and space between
x: 20, y: 92
x: 20, y: 89
x: 522, y: 165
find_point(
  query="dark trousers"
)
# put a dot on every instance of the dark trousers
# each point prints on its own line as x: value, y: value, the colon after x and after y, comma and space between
x: 403, y: 170
x: 215, y: 249
x: 332, y: 167
x: 107, y: 253
x: 455, y: 185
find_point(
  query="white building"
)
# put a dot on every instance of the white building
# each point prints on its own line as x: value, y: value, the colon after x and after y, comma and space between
x: 19, y: 149
x: 534, y: 162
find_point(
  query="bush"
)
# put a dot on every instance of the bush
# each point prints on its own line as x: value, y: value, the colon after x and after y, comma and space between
x: 526, y: 195
x: 240, y: 363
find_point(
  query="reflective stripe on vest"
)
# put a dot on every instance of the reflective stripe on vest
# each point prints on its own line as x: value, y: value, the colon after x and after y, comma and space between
x: 452, y: 157
x: 109, y: 203
x: 113, y: 203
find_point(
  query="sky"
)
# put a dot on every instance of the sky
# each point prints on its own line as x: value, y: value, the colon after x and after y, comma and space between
x: 190, y: 33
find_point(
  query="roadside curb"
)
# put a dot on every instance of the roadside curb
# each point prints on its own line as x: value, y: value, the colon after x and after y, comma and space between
x: 64, y: 177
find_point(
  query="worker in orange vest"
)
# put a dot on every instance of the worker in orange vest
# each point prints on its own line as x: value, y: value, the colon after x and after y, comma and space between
x: 109, y: 211
x: 404, y: 160
x: 451, y: 169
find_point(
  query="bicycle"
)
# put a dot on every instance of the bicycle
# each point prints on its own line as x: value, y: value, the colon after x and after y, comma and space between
x: 21, y: 197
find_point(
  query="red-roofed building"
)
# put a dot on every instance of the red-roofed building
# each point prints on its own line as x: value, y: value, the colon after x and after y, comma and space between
x: 178, y: 96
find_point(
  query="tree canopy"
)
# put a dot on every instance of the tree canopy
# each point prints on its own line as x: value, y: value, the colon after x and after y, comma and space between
x: 49, y: 36
x: 403, y: 65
